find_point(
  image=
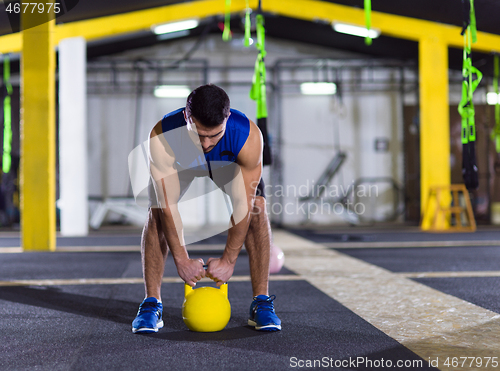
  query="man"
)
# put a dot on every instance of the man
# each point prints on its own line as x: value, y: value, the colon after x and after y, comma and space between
x: 206, y: 138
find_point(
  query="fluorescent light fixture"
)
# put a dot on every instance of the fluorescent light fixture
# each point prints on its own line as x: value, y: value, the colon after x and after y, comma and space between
x: 351, y: 29
x: 492, y: 98
x: 318, y: 88
x: 173, y: 35
x: 188, y: 24
x: 172, y: 91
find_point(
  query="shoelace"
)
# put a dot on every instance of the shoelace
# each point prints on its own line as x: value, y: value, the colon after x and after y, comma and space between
x: 266, y: 304
x: 148, y: 307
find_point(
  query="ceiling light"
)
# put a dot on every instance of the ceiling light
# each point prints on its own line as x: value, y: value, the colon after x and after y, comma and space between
x: 172, y: 91
x: 172, y: 35
x: 318, y: 88
x: 351, y: 29
x: 493, y: 98
x: 188, y: 24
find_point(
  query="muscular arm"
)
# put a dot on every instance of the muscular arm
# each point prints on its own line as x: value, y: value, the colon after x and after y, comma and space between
x: 167, y: 189
x: 243, y: 197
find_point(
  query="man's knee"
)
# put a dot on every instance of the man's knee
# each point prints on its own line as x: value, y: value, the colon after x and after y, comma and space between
x: 258, y: 212
x: 152, y: 216
x: 259, y: 206
x: 153, y: 222
x: 153, y: 228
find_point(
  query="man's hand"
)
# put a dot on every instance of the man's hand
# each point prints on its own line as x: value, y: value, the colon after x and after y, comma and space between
x: 191, y: 270
x: 219, y: 270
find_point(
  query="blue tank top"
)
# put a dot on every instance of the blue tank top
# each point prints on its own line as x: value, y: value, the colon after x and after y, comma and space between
x: 189, y: 156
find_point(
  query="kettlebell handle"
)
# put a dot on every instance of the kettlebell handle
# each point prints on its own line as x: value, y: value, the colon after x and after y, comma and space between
x: 188, y: 289
x: 206, y: 266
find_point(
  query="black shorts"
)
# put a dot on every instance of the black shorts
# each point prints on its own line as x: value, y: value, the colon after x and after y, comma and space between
x: 261, y: 189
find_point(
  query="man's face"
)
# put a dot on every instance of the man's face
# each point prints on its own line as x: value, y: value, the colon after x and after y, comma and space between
x: 209, y: 137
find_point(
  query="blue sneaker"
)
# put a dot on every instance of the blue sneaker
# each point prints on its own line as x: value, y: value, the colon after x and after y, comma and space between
x: 148, y: 317
x: 262, y: 315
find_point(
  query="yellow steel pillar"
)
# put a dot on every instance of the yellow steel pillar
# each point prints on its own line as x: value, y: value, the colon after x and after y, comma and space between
x: 38, y: 161
x: 434, y: 121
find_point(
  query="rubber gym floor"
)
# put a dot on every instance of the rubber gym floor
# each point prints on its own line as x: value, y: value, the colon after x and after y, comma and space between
x: 349, y: 299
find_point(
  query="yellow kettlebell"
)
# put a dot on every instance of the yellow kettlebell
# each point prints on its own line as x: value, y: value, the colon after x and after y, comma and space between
x: 206, y: 309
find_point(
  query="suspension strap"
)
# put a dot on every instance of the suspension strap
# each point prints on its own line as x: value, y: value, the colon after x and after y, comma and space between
x: 466, y: 110
x: 7, y: 118
x: 473, y: 28
x: 226, y: 34
x: 368, y: 20
x: 258, y: 91
x: 248, y: 24
x: 469, y: 16
x: 466, y: 106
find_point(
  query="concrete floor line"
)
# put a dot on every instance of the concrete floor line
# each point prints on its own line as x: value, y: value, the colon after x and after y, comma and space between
x: 18, y: 249
x: 430, y: 323
x: 193, y: 247
x: 75, y: 281
x: 449, y: 274
x: 408, y: 244
x: 98, y: 248
x: 7, y: 250
x: 127, y: 281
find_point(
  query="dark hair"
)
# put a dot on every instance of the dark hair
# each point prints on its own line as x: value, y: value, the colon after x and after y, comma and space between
x: 209, y: 104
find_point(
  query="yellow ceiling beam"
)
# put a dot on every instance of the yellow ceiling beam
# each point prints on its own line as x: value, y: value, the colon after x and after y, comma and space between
x: 11, y: 43
x: 142, y: 20
x: 310, y: 10
x: 389, y: 24
x: 136, y: 21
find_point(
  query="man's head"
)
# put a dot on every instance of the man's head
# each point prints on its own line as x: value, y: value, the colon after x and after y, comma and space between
x: 209, y: 105
x: 207, y: 110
